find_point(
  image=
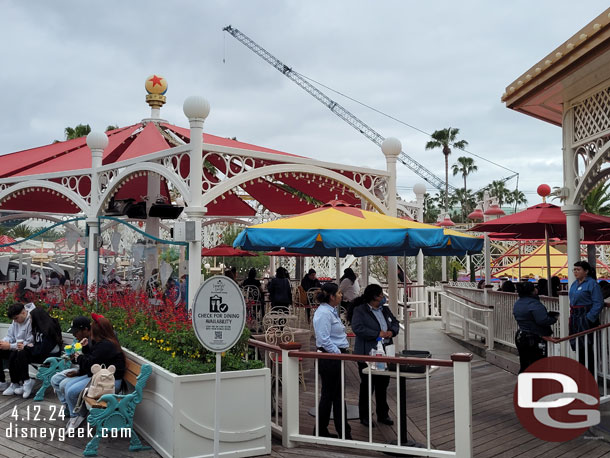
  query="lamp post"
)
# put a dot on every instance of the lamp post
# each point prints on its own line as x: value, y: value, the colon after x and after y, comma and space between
x: 391, y: 148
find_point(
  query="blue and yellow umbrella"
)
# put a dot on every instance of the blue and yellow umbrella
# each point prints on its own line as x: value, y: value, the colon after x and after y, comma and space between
x: 343, y: 227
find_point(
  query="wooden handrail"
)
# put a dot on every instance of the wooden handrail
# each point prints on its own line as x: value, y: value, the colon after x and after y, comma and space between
x: 381, y: 359
x: 264, y: 345
x: 578, y: 334
x: 470, y: 300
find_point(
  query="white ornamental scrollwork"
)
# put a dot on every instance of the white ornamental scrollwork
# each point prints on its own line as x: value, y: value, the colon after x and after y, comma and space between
x: 76, y: 183
x: 585, y: 155
x: 178, y: 163
x: 227, y: 165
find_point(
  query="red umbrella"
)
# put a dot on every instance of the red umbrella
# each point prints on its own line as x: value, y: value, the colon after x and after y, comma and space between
x: 283, y: 252
x: 226, y: 251
x: 543, y: 221
x: 5, y: 240
x: 531, y: 224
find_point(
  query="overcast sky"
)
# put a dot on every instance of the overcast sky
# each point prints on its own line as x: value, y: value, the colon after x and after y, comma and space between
x: 430, y: 64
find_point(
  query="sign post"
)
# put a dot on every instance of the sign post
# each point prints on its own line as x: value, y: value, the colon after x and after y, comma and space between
x: 219, y: 316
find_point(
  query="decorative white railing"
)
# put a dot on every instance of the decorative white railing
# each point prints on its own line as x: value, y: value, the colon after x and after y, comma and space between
x: 286, y: 389
x: 474, y: 320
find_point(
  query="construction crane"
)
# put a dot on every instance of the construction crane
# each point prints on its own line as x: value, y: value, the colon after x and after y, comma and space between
x: 337, y: 109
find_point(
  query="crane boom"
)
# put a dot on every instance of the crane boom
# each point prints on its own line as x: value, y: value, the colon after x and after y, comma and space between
x: 336, y: 108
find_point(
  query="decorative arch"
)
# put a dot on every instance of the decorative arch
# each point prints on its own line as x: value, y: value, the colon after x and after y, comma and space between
x: 225, y: 220
x: 74, y: 197
x: 227, y: 185
x: 593, y: 175
x: 138, y: 168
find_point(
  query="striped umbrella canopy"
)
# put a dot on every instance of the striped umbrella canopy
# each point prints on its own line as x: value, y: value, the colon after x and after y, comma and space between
x: 338, y: 227
x: 454, y: 243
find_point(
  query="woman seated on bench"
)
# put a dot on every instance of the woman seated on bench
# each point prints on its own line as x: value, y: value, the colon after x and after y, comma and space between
x: 104, y: 348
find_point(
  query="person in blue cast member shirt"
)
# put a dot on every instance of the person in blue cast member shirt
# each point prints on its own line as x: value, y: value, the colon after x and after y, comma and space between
x: 534, y: 322
x: 586, y: 303
x: 330, y: 338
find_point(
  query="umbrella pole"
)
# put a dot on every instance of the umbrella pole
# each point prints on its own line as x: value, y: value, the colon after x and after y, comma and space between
x: 548, y: 254
x: 519, y: 254
x: 337, y: 265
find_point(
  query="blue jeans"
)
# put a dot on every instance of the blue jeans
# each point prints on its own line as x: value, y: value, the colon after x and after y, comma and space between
x: 68, y: 388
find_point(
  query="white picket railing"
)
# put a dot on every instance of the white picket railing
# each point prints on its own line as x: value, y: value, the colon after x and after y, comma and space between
x: 473, y: 320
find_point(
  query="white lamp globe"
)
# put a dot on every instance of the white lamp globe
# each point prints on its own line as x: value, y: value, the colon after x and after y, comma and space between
x: 196, y: 107
x: 97, y: 140
x: 391, y: 147
x: 51, y: 253
x: 207, y: 266
x: 32, y: 253
x: 419, y: 188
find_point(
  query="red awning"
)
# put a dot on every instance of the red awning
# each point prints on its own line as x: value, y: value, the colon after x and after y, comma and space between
x: 226, y: 251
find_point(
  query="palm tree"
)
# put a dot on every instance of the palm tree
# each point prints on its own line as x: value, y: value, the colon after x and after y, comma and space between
x: 498, y: 189
x: 445, y: 138
x: 464, y: 166
x: 598, y: 200
x: 76, y: 132
x: 21, y: 230
x: 431, y: 211
x: 516, y: 197
x: 467, y: 201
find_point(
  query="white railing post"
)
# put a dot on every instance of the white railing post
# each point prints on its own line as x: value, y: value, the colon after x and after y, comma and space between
x: 444, y: 313
x: 564, y: 328
x: 290, y: 394
x: 462, y: 399
x: 490, y: 328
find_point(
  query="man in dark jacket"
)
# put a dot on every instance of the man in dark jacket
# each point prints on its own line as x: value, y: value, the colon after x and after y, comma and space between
x: 370, y: 321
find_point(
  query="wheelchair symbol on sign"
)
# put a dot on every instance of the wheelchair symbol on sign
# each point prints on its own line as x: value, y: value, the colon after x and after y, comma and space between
x: 217, y: 306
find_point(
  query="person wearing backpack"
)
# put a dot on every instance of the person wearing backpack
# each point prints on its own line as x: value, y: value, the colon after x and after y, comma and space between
x: 104, y: 349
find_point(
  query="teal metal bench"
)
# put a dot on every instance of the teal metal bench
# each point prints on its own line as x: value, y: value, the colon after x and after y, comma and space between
x: 115, y: 412
x: 48, y: 369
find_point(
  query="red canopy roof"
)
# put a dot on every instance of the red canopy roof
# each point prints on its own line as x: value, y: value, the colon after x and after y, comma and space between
x: 145, y: 138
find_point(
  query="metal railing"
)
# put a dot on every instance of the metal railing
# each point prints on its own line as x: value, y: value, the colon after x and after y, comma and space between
x: 474, y: 320
x: 591, y: 348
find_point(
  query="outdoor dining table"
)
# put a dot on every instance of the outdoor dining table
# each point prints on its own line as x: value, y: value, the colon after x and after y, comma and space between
x: 403, y: 397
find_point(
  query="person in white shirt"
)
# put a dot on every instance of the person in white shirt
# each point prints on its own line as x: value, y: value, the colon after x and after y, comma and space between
x: 19, y: 336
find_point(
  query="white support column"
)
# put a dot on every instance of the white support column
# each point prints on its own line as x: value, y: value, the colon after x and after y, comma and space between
x: 572, y: 213
x: 196, y: 110
x: 462, y: 401
x: 97, y: 142
x: 391, y: 148
x: 290, y: 394
x: 420, y: 190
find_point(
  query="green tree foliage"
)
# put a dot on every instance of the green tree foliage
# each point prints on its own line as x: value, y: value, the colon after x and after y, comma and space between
x: 445, y: 139
x: 21, y: 230
x: 111, y: 127
x: 598, y: 200
x: 431, y: 211
x: 517, y: 198
x: 80, y: 130
x: 467, y: 201
x: 243, y: 265
x: 496, y: 188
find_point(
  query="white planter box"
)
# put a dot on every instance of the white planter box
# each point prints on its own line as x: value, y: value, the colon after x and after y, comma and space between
x: 176, y: 415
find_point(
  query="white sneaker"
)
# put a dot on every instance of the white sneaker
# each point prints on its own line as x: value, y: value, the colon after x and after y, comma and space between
x: 77, y: 421
x: 4, y: 386
x: 19, y: 390
x: 28, y: 386
x: 70, y: 424
x: 11, y: 389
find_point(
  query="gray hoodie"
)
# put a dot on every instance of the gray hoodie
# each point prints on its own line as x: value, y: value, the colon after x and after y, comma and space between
x: 20, y: 331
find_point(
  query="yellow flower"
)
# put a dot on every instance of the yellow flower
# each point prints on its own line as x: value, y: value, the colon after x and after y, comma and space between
x: 78, y: 346
x: 173, y: 354
x: 160, y: 340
